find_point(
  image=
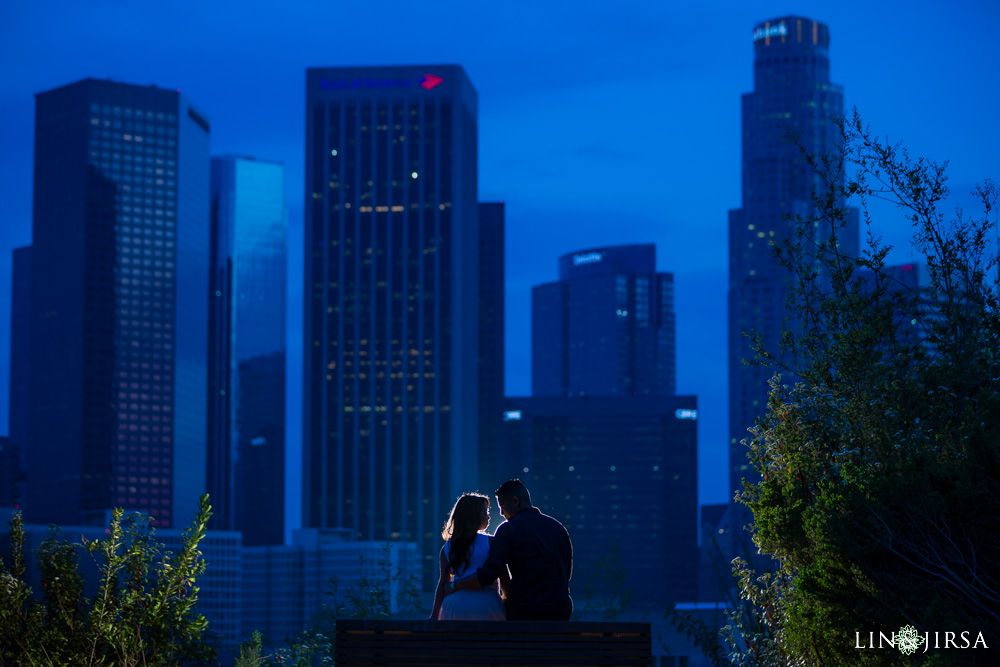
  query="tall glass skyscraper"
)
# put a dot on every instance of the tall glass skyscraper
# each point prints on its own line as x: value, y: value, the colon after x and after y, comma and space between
x: 792, y: 93
x: 606, y: 328
x: 246, y: 411
x: 119, y: 304
x: 391, y: 312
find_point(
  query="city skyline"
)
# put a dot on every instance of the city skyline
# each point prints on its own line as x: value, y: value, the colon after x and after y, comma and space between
x: 534, y: 155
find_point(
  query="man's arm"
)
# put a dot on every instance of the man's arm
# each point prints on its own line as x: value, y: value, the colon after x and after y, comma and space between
x: 504, y: 583
x: 504, y: 579
x: 495, y: 564
x: 569, y: 543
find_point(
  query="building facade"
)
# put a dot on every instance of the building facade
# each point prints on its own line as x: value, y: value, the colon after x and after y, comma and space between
x: 621, y: 473
x: 20, y: 337
x: 606, y: 328
x: 119, y: 304
x: 246, y: 397
x: 391, y: 314
x: 792, y: 94
x: 10, y: 472
x: 491, y: 337
x: 286, y: 586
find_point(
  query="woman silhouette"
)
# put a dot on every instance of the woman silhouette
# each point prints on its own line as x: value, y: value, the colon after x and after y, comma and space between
x: 465, y: 550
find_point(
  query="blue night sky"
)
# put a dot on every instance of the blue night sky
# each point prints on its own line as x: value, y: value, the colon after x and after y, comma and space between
x: 599, y: 123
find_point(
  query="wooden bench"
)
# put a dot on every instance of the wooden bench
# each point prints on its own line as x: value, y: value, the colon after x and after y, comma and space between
x: 521, y: 643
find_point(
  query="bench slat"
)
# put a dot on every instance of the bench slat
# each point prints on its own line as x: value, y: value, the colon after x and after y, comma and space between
x: 520, y: 643
x: 645, y: 661
x: 500, y: 640
x: 477, y: 660
x: 466, y: 649
x: 519, y: 627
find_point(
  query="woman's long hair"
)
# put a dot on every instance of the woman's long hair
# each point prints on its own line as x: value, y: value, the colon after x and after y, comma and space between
x: 462, y: 526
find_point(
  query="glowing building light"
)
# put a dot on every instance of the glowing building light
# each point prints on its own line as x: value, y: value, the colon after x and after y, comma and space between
x: 587, y: 258
x: 770, y: 31
x: 430, y: 81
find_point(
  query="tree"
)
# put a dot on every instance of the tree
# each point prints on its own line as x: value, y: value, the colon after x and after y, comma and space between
x: 880, y: 467
x: 143, y: 613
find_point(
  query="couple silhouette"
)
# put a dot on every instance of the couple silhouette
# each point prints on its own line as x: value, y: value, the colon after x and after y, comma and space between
x: 521, y: 573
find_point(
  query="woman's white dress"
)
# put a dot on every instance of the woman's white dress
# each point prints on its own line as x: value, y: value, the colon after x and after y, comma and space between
x: 483, y: 604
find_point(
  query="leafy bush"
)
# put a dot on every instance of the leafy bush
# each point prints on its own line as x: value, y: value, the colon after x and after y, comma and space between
x: 143, y: 613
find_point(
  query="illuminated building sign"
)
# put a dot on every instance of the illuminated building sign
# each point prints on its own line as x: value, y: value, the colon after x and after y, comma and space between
x: 770, y: 31
x: 686, y: 414
x: 430, y: 81
x: 512, y: 416
x: 587, y: 258
x: 427, y: 82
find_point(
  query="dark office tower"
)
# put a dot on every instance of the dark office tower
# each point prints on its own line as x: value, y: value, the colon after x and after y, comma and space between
x: 20, y: 335
x: 606, y: 328
x: 491, y: 338
x: 391, y: 312
x: 621, y: 473
x: 119, y: 304
x: 246, y: 396
x: 792, y: 92
x: 10, y: 472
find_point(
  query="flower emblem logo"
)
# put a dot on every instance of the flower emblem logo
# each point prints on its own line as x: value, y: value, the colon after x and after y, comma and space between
x: 908, y: 640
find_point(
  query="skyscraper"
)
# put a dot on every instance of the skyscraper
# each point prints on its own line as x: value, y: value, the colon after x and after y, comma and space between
x: 20, y: 337
x: 792, y: 93
x: 491, y: 339
x: 10, y: 472
x: 246, y: 412
x: 391, y: 312
x: 119, y: 304
x: 606, y: 328
x: 621, y: 473
x: 603, y: 442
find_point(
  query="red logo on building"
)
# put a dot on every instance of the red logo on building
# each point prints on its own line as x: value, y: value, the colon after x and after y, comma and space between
x: 431, y: 81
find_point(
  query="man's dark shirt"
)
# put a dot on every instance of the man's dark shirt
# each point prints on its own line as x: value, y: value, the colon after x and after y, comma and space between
x: 540, y: 555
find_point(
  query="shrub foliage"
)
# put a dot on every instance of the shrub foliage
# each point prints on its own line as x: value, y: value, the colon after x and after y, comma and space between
x: 879, y: 461
x: 143, y: 613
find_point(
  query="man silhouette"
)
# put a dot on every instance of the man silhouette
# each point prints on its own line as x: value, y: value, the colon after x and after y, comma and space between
x: 537, y: 550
